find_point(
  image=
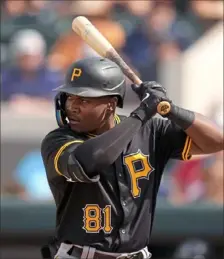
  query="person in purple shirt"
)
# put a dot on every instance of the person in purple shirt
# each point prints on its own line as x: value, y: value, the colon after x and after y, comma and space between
x: 29, y: 78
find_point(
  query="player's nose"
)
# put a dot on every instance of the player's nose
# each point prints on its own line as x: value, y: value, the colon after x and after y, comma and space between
x: 74, y: 107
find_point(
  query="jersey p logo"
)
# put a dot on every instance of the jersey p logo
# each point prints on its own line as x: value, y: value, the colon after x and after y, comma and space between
x: 76, y: 73
x: 143, y: 171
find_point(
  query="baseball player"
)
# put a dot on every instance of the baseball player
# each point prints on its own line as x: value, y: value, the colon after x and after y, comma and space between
x: 104, y: 170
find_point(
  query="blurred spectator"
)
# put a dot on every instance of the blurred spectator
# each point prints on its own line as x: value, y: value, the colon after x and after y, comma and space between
x: 166, y: 181
x: 36, y: 6
x: 14, y: 190
x: 216, y: 113
x: 208, y: 11
x: 29, y: 81
x: 130, y: 14
x: 194, y: 249
x: 198, y: 180
x: 100, y: 8
x: 213, y: 179
x: 18, y: 8
x: 14, y: 8
x: 21, y: 15
x: 70, y: 46
x: 164, y: 34
x: 213, y: 167
x: 31, y: 176
x: 202, y: 15
x: 166, y: 25
x: 187, y: 182
x: 29, y: 180
x: 139, y: 8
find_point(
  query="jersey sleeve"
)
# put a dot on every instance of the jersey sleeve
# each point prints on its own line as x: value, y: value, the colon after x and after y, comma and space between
x: 53, y: 148
x: 172, y: 141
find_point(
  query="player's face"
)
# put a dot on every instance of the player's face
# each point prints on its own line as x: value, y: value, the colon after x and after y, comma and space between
x: 87, y: 114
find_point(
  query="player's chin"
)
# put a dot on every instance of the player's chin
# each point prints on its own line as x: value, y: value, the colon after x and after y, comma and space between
x: 78, y: 127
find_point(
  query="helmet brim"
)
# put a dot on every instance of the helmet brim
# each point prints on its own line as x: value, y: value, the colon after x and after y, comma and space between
x: 83, y: 91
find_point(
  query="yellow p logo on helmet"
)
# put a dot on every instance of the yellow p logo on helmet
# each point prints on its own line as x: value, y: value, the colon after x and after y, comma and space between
x: 76, y: 73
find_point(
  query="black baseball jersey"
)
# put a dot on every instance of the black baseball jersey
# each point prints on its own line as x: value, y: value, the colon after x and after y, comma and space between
x: 116, y: 213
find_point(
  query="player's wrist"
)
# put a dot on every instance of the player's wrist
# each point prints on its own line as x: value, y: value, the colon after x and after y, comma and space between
x: 182, y: 117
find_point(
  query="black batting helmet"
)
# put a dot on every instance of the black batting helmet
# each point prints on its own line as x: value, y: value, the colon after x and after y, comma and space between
x: 90, y: 77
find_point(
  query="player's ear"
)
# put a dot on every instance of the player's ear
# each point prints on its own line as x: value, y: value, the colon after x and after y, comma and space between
x: 113, y: 103
x: 109, y: 107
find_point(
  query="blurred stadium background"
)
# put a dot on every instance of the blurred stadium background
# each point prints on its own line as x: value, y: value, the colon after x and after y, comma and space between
x: 177, y: 42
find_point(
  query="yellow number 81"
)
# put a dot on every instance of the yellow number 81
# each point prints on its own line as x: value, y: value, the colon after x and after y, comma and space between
x: 93, y: 219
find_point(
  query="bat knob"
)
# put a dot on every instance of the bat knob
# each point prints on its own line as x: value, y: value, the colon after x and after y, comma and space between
x: 163, y: 108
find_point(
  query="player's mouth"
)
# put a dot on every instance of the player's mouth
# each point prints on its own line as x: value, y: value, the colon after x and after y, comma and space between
x: 74, y: 121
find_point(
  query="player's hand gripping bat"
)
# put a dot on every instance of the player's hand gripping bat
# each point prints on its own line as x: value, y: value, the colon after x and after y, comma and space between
x: 89, y: 33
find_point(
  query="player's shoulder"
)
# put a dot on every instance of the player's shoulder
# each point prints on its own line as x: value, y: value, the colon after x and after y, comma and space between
x: 157, y: 124
x: 61, y: 134
x: 58, y: 138
x: 158, y: 121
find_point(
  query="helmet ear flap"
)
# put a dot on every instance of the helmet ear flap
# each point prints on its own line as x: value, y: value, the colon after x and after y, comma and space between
x: 60, y: 114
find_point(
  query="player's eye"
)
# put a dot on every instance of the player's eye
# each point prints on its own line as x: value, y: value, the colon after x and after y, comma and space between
x: 84, y: 100
x: 69, y: 96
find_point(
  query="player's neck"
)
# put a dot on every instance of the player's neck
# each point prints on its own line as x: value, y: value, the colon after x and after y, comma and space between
x: 109, y: 124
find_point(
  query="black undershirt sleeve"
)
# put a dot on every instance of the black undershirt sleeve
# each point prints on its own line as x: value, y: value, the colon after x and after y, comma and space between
x: 102, y: 151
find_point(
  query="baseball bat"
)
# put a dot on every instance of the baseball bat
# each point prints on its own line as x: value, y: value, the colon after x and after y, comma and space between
x: 91, y: 35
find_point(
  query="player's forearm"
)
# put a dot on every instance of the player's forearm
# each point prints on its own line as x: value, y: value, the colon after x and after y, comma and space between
x: 206, y: 136
x: 102, y: 151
